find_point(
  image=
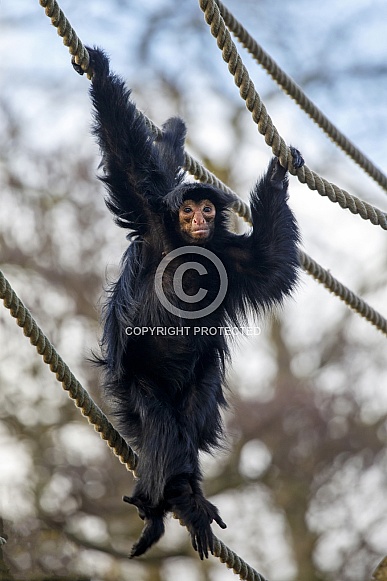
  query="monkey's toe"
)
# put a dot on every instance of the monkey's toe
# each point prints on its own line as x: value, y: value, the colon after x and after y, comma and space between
x: 202, y: 540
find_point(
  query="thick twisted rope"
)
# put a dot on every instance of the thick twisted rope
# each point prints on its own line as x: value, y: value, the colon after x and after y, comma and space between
x: 68, y: 34
x: 63, y: 374
x: 291, y: 88
x: 380, y: 573
x: 266, y: 127
x: 344, y: 293
x: 253, y: 103
x: 234, y: 562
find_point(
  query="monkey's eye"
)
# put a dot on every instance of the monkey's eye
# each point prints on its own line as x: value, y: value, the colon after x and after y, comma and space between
x: 187, y: 210
x: 207, y: 209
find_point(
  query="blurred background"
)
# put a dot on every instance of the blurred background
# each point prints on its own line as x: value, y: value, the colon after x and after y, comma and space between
x: 302, y: 483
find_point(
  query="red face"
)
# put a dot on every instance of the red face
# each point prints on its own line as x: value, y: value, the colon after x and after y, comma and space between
x: 197, y: 221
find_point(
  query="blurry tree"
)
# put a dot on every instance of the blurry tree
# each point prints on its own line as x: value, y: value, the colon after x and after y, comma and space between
x: 301, y: 484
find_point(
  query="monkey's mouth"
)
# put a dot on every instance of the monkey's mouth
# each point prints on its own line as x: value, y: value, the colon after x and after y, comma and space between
x: 200, y: 232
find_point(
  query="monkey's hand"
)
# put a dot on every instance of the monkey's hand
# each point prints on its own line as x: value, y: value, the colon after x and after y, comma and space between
x: 99, y: 63
x: 298, y: 160
x: 278, y: 172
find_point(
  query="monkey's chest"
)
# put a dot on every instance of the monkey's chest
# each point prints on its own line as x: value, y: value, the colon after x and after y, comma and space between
x: 192, y: 286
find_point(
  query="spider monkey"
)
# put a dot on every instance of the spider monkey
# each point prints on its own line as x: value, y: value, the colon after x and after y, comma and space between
x: 165, y: 382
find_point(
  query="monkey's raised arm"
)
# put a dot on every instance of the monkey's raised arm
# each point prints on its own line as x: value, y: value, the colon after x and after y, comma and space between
x: 139, y: 171
x: 275, y: 236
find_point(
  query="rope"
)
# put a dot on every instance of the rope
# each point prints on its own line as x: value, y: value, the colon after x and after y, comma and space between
x: 93, y: 413
x: 68, y: 34
x: 290, y: 87
x: 266, y: 127
x: 63, y: 374
x: 253, y: 103
x: 234, y: 562
x: 344, y: 293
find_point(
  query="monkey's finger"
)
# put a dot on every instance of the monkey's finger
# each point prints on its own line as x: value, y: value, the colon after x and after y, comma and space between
x: 132, y: 500
x: 77, y: 67
x: 194, y: 543
x: 201, y: 548
x: 220, y: 522
x: 209, y: 541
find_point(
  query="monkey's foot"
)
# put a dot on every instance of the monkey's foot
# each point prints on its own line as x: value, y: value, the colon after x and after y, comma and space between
x: 197, y: 514
x: 154, y: 528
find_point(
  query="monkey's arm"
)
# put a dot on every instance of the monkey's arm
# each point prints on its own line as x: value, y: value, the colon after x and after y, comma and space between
x: 136, y: 174
x: 274, y: 239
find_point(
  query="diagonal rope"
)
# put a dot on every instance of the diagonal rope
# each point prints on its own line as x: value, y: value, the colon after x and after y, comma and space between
x: 68, y: 34
x: 290, y: 87
x: 234, y: 562
x: 342, y: 292
x: 63, y: 374
x: 266, y: 127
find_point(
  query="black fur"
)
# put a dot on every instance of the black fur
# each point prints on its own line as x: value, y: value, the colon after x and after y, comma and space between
x: 167, y: 390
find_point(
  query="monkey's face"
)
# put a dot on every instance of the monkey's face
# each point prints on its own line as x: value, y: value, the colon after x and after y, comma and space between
x: 197, y: 221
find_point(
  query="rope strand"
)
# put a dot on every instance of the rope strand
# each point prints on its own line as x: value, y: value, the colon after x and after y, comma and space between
x: 344, y: 293
x: 288, y: 85
x: 63, y: 374
x: 68, y: 34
